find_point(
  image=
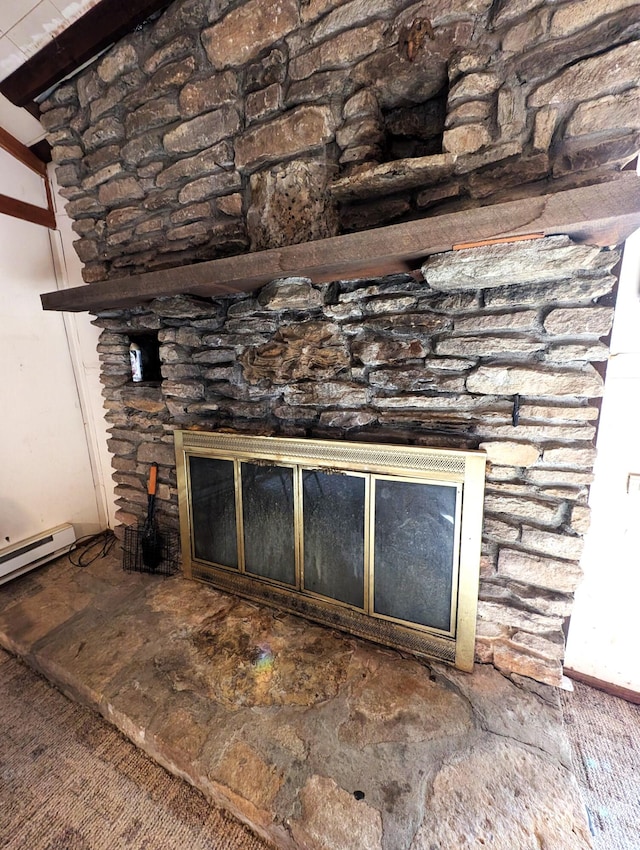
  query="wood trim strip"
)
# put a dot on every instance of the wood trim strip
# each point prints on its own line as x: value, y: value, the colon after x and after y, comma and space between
x: 604, y: 214
x: 21, y: 209
x: 608, y: 688
x: 98, y: 28
x: 27, y: 212
x: 22, y: 153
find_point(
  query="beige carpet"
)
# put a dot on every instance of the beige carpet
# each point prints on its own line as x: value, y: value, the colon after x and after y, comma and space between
x: 605, y: 737
x: 68, y: 781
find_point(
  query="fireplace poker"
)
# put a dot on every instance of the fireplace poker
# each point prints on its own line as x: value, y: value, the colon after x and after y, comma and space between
x: 151, y: 540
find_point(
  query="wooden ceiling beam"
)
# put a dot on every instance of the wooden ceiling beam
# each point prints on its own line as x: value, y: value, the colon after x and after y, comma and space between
x: 604, y: 214
x: 101, y: 26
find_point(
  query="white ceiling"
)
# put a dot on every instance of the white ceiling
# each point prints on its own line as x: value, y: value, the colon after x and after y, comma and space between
x: 25, y: 27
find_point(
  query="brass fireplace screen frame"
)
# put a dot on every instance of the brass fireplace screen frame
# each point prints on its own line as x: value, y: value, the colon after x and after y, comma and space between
x: 381, y: 467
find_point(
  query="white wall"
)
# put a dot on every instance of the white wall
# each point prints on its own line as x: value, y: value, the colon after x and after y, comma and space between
x: 48, y: 470
x: 604, y: 633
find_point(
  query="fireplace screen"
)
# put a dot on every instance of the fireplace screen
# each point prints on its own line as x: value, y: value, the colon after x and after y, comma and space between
x: 381, y: 541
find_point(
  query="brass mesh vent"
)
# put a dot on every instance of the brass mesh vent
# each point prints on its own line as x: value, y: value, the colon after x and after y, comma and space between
x: 347, y: 455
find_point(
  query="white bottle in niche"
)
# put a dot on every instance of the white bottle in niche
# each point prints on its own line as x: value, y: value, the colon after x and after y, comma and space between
x: 135, y: 356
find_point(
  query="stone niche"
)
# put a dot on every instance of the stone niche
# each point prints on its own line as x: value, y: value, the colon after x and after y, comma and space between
x: 222, y: 127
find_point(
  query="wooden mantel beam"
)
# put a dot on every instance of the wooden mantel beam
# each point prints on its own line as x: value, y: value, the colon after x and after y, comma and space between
x: 604, y: 214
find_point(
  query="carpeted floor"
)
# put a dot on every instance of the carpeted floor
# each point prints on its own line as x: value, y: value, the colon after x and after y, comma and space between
x: 69, y: 781
x: 605, y: 737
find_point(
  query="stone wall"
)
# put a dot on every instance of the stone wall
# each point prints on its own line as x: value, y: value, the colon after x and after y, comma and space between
x: 499, y: 349
x: 231, y: 125
x: 226, y: 125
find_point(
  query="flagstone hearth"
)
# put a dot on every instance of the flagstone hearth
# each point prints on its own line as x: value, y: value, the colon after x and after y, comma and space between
x: 313, y: 738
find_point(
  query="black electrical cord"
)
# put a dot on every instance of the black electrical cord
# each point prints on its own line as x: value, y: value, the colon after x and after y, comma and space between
x: 91, y: 547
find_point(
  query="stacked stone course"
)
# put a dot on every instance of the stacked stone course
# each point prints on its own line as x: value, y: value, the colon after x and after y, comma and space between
x: 170, y: 148
x: 395, y: 360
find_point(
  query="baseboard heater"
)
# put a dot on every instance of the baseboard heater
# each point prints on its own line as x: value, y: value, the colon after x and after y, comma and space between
x: 28, y: 554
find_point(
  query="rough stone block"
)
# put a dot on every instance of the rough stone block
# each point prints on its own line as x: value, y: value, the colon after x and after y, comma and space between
x: 340, y: 51
x: 488, y: 346
x: 210, y: 93
x: 157, y: 113
x: 514, y: 659
x: 474, y: 86
x: 532, y: 261
x: 290, y: 204
x: 585, y: 382
x: 506, y: 453
x: 332, y: 817
x: 606, y: 73
x: 296, y: 132
x: 247, y: 30
x: 532, y: 510
x: 209, y: 187
x: 120, y: 191
x: 592, y: 321
x: 118, y: 61
x: 210, y: 160
x: 264, y: 102
x: 557, y: 545
x: 467, y: 138
x: 181, y: 46
x: 562, y: 576
x: 577, y: 16
x: 203, y: 131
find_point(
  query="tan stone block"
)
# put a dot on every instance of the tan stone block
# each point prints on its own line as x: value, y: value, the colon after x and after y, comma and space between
x: 247, y: 774
x: 475, y: 85
x: 247, y: 30
x: 471, y: 111
x: 585, y: 382
x: 614, y: 112
x: 580, y: 457
x: 562, y: 477
x: 500, y: 531
x: 342, y: 50
x: 572, y: 354
x: 230, y: 204
x: 498, y: 793
x: 512, y: 659
x: 521, y: 320
x: 544, y: 127
x: 332, y: 817
x: 598, y: 75
x: 202, y: 132
x: 467, y: 138
x: 546, y: 513
x: 211, y: 93
x: 583, y: 14
x: 531, y: 262
x: 576, y: 321
x: 265, y: 102
x: 558, y: 545
x: 580, y: 518
x: 487, y: 346
x: 523, y: 36
x: 117, y: 62
x: 562, y: 576
x: 298, y: 131
x: 511, y: 453
x: 508, y: 617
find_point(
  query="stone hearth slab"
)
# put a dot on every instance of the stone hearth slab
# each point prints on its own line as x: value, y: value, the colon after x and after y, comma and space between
x: 315, y: 739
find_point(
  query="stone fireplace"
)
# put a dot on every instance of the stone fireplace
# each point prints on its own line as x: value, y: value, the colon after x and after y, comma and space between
x: 221, y: 128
